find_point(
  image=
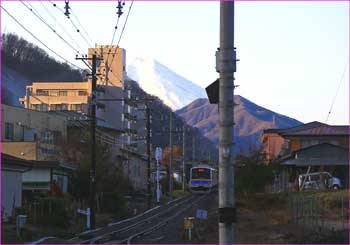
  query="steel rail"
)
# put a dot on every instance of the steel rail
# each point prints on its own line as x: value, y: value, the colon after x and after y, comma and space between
x: 105, y: 237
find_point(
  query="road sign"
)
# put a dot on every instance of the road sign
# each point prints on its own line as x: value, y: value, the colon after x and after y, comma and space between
x: 159, y: 153
x: 202, y: 214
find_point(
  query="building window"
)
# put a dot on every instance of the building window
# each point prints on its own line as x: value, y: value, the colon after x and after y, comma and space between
x: 41, y: 92
x: 44, y: 107
x: 77, y: 107
x: 36, y: 107
x: 47, y: 137
x: 9, y: 131
x: 53, y: 107
x: 53, y: 93
x: 62, y: 93
x: 64, y: 107
x: 82, y: 93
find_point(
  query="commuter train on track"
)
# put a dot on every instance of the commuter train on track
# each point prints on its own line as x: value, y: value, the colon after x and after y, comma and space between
x: 203, y: 179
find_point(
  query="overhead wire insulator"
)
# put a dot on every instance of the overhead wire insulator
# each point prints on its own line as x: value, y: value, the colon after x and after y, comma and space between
x: 67, y: 8
x: 120, y: 7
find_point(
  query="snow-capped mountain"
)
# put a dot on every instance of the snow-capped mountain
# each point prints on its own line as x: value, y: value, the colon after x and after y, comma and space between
x: 156, y: 79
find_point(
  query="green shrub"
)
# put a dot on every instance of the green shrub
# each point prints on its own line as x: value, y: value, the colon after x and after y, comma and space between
x: 52, y: 212
x: 113, y: 202
x: 251, y: 175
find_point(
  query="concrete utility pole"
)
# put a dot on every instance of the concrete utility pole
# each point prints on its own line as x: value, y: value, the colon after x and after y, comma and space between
x: 226, y: 66
x: 183, y: 156
x: 193, y: 148
x: 148, y: 142
x: 171, y: 155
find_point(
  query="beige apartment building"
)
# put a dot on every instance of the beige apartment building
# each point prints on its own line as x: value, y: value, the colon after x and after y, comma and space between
x: 57, y: 96
x: 74, y: 96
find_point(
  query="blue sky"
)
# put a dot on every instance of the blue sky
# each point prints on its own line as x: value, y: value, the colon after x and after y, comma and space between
x: 292, y: 54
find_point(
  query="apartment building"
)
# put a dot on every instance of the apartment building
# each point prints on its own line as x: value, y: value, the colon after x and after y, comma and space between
x: 31, y: 134
x: 115, y: 110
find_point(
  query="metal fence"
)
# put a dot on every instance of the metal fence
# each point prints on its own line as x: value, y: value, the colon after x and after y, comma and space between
x: 319, y: 214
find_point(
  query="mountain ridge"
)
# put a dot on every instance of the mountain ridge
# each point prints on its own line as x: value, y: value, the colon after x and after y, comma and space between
x: 250, y: 121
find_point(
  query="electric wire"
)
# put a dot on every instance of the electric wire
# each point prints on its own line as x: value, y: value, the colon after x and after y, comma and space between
x: 29, y: 32
x: 61, y: 26
x: 32, y: 10
x: 76, y: 28
x: 336, y: 94
x: 82, y: 27
x: 115, y: 30
x: 121, y: 34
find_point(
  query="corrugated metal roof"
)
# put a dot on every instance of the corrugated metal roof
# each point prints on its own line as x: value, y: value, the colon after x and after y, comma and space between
x: 319, y: 131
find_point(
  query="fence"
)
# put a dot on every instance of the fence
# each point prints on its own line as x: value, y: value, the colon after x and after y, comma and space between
x: 319, y: 214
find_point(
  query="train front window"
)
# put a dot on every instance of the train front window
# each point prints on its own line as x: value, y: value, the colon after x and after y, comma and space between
x: 200, y: 173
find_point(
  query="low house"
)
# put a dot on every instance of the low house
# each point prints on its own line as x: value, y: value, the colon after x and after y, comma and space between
x: 12, y: 169
x: 316, y: 145
x: 44, y: 176
x: 21, y: 178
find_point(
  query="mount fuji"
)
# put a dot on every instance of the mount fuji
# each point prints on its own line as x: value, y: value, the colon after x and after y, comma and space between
x: 157, y: 79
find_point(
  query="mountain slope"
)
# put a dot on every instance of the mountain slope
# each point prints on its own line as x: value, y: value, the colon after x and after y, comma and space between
x: 157, y: 79
x: 250, y: 120
x: 160, y: 112
x: 13, y: 86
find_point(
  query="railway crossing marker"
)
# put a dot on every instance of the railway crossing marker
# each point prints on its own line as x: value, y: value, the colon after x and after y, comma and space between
x: 87, y: 213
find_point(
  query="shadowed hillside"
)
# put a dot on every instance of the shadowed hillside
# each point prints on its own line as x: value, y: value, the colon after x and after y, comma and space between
x: 250, y: 120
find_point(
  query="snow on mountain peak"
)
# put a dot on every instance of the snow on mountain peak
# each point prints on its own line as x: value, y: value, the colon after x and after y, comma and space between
x: 157, y: 79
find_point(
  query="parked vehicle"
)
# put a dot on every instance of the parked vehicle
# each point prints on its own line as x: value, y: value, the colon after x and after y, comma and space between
x: 203, y: 179
x: 313, y: 181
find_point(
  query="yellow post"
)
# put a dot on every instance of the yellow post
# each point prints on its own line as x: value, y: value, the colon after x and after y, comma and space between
x: 189, y: 225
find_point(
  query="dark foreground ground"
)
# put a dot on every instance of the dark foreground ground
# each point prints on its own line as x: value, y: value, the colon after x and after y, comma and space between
x: 262, y: 219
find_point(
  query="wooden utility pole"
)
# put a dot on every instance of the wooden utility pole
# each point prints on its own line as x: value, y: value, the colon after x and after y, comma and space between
x: 92, y: 114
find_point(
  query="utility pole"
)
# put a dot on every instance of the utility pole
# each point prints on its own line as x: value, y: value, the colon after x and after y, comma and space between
x: 92, y: 114
x: 93, y: 144
x: 193, y: 148
x: 226, y: 66
x: 171, y: 155
x: 183, y: 156
x: 148, y: 142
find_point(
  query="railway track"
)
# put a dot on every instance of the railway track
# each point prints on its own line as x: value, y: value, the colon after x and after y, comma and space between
x: 127, y: 230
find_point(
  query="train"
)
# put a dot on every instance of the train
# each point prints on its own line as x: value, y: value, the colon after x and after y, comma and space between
x: 203, y: 179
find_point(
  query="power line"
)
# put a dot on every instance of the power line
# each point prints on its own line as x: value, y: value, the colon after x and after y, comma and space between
x: 39, y: 39
x: 61, y: 26
x: 76, y: 28
x: 32, y: 10
x: 119, y: 13
x: 121, y: 34
x: 82, y: 27
x: 340, y: 82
